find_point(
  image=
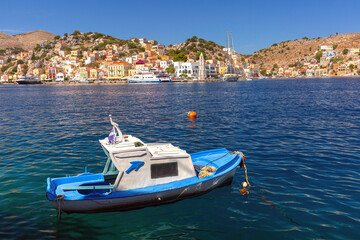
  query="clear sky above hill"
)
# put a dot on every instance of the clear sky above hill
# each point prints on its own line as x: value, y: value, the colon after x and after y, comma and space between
x: 254, y: 24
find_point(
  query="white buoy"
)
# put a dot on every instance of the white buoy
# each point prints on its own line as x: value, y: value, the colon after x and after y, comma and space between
x: 244, y: 184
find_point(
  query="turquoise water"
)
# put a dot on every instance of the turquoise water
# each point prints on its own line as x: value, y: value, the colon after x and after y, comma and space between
x: 300, y: 137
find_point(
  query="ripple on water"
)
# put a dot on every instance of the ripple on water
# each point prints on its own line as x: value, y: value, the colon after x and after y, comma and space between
x: 300, y: 137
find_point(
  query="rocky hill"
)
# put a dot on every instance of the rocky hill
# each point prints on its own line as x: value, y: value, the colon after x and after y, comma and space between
x: 303, y: 50
x: 196, y: 45
x: 25, y: 41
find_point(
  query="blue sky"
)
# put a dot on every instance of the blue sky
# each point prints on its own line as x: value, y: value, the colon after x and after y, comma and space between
x: 254, y: 24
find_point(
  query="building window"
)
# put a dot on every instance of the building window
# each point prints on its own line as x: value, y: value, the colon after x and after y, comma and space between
x: 161, y: 170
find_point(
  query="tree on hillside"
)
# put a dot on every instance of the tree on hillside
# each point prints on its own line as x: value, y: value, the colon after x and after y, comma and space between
x: 318, y: 55
x: 65, y: 34
x: 57, y: 37
x: 345, y: 51
x: 180, y: 57
x: 194, y: 39
x: 155, y: 42
x: 263, y: 72
x: 76, y: 32
x: 68, y: 50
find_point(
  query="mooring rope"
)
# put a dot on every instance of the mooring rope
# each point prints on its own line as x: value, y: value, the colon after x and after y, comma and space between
x: 59, y: 199
x: 244, y: 191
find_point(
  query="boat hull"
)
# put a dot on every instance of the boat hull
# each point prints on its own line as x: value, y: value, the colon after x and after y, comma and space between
x: 144, y: 200
x: 144, y: 81
x: 28, y: 82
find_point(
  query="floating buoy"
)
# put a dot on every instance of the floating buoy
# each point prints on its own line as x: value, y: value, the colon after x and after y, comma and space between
x: 244, y: 191
x: 192, y: 114
x: 244, y: 184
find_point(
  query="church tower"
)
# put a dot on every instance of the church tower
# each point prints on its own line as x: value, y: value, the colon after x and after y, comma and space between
x: 202, y: 74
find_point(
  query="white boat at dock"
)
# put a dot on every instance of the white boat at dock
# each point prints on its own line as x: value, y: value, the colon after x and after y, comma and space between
x: 144, y: 77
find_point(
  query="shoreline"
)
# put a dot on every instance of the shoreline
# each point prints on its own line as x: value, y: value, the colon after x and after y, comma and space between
x: 176, y: 81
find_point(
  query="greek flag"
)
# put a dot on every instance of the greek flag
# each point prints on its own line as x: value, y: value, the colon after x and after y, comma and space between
x: 41, y: 44
x: 111, y: 137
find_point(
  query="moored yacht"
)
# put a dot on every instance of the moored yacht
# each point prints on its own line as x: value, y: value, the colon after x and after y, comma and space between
x: 29, y: 80
x: 230, y: 77
x: 163, y: 77
x: 148, y: 77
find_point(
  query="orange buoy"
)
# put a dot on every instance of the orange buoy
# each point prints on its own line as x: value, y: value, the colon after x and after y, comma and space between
x: 192, y: 114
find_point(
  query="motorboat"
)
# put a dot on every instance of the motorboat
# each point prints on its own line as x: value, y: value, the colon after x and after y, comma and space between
x: 138, y: 175
x: 230, y: 77
x: 29, y: 80
x: 144, y: 77
x: 163, y: 77
x: 84, y: 81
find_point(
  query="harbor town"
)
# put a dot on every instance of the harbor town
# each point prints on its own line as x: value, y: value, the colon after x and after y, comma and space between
x: 94, y: 57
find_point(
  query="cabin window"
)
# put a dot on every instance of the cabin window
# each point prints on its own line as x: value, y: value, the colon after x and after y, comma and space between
x: 161, y: 170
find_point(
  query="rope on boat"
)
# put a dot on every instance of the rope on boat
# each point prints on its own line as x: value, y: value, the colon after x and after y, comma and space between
x: 59, y: 199
x: 207, y: 170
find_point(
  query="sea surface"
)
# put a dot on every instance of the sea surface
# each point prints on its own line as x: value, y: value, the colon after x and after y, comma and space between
x: 301, y: 139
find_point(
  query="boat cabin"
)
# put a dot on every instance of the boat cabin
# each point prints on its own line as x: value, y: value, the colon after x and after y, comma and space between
x: 133, y: 164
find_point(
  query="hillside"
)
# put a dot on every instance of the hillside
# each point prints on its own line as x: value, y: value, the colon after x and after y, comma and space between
x: 303, y: 50
x: 25, y: 41
x: 196, y: 45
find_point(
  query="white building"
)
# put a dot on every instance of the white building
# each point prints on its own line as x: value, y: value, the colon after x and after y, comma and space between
x: 165, y: 64
x: 326, y: 48
x: 60, y: 77
x: 129, y: 60
x: 143, y: 40
x: 89, y: 60
x: 191, y: 69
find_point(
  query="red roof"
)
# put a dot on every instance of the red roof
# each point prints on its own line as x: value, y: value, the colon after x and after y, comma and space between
x: 140, y: 62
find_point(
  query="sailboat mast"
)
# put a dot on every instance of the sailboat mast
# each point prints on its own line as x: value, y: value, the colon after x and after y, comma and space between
x: 231, y: 58
x: 227, y: 49
x: 232, y: 51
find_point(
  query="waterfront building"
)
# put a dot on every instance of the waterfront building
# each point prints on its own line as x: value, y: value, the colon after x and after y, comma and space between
x: 190, y: 69
x: 95, y: 73
x: 118, y: 70
x: 222, y: 70
x: 140, y: 64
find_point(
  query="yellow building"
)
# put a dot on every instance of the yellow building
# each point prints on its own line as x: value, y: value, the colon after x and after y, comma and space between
x: 222, y: 70
x: 118, y: 70
x: 75, y: 52
x: 132, y: 72
x: 94, y: 73
x: 37, y: 71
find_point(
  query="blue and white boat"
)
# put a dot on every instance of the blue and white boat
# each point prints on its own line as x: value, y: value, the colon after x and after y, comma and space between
x: 138, y: 175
